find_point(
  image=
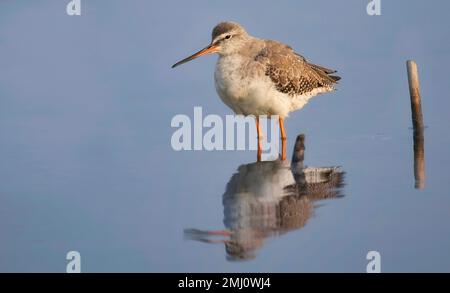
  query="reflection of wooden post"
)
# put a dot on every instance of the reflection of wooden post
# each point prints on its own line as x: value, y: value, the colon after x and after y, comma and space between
x: 417, y: 120
x: 419, y: 158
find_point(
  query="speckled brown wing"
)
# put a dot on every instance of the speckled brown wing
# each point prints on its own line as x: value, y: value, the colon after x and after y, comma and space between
x: 290, y: 72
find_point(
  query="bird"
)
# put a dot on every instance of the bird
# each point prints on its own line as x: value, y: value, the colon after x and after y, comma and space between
x: 258, y: 77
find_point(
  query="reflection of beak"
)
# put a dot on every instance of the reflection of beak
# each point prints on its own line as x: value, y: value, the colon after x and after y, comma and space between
x: 213, y: 48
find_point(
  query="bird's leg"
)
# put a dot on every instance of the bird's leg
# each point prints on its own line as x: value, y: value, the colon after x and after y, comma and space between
x: 283, y: 139
x: 258, y: 129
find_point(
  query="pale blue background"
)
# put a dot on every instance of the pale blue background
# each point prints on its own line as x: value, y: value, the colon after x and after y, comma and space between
x: 86, y: 162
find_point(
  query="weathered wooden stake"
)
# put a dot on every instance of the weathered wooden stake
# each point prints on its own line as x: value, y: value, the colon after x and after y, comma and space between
x: 417, y: 120
x: 414, y: 91
x: 299, y: 149
x: 297, y: 159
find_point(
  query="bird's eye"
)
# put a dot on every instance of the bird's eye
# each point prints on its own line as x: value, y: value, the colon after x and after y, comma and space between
x: 227, y: 37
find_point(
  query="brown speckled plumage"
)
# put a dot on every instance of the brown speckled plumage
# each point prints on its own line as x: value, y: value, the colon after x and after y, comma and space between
x: 291, y: 73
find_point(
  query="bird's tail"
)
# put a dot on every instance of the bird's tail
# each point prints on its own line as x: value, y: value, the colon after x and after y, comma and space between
x: 334, y: 77
x: 325, y: 72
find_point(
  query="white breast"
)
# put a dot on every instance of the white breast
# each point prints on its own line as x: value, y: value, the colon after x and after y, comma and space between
x: 231, y: 86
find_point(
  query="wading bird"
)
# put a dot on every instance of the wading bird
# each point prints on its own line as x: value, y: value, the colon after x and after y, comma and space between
x: 262, y: 77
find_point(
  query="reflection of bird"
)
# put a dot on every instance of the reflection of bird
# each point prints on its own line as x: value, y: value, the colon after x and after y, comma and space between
x: 270, y: 198
x: 262, y: 77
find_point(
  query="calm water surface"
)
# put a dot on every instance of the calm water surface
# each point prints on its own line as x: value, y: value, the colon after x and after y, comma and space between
x: 85, y: 110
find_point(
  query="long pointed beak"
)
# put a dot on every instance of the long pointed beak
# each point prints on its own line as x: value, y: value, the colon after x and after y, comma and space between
x: 213, y: 48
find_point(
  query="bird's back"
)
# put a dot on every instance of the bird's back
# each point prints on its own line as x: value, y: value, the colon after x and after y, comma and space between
x: 292, y: 73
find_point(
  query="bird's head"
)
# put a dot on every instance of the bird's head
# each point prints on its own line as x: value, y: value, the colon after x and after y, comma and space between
x: 226, y: 38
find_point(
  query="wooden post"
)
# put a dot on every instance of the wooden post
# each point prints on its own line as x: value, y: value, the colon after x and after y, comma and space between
x: 298, y: 156
x: 414, y: 91
x: 299, y: 150
x: 417, y: 120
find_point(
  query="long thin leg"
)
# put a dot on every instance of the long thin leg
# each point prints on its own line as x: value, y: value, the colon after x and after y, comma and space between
x: 283, y: 139
x: 258, y: 129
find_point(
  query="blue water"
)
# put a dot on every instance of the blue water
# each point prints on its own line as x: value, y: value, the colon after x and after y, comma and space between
x: 85, y: 109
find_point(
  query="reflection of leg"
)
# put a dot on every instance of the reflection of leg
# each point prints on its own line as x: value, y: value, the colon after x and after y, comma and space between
x: 283, y: 139
x: 258, y: 129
